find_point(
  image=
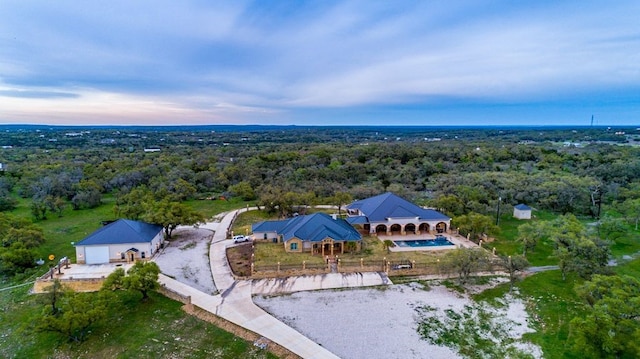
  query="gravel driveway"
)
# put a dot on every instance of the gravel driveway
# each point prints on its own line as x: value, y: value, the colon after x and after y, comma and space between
x: 186, y: 258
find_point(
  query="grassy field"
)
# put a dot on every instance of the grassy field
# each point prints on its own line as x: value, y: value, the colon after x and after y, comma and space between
x: 157, y: 328
x: 73, y: 226
x: 154, y: 329
x: 506, y: 241
x: 211, y: 208
x: 551, y: 304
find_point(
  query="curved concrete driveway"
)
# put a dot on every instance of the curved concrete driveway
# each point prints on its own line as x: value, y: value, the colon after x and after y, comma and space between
x: 234, y: 302
x: 238, y: 307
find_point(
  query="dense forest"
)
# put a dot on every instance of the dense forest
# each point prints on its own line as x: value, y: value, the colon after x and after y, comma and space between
x: 575, y: 177
x: 152, y: 171
x: 458, y: 170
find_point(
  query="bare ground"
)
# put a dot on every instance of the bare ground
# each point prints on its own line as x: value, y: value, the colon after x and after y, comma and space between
x: 378, y: 323
x: 186, y: 258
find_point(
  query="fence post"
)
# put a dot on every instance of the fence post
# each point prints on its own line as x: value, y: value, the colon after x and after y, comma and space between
x: 252, y: 269
x: 278, y: 267
x: 361, y: 263
x: 338, y: 264
x: 304, y: 265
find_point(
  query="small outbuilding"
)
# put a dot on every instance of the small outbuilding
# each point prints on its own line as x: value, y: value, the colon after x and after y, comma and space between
x: 522, y: 211
x: 121, y: 241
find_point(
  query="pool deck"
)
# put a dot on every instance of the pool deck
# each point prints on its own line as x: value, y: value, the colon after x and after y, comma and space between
x: 457, y: 240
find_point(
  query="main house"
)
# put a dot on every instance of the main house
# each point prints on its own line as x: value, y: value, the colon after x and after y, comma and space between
x: 121, y: 241
x: 389, y: 214
x: 317, y: 233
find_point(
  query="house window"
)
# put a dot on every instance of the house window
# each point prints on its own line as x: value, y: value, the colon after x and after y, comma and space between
x: 142, y: 255
x: 265, y: 236
x: 294, y: 246
x: 122, y: 255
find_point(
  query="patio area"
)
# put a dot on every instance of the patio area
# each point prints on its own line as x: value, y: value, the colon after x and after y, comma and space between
x: 88, y: 271
x: 416, y: 242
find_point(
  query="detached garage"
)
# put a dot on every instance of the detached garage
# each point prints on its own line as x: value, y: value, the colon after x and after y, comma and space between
x: 121, y: 241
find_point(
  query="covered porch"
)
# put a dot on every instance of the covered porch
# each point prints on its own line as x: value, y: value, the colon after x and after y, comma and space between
x: 330, y: 247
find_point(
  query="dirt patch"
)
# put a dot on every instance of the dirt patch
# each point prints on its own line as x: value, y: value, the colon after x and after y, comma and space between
x: 186, y: 258
x: 239, y: 258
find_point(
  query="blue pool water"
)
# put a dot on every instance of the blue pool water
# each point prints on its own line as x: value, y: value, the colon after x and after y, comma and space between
x: 441, y: 241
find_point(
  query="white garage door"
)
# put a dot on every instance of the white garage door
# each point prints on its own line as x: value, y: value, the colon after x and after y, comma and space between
x: 97, y: 255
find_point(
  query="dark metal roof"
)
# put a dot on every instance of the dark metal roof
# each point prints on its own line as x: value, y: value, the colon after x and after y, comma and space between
x: 388, y: 205
x: 357, y: 220
x: 314, y: 227
x: 122, y: 231
x: 522, y: 207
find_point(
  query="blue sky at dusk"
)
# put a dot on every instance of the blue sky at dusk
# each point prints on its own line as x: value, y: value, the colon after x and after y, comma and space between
x: 320, y: 62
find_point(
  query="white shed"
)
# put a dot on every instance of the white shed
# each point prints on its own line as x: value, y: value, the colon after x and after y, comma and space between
x: 522, y: 211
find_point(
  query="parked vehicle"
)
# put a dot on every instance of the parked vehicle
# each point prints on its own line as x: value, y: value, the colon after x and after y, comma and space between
x: 240, y: 239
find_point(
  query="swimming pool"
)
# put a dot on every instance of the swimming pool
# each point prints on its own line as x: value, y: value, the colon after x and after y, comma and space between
x: 438, y: 242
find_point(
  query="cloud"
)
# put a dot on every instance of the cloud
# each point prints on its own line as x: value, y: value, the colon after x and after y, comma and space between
x: 243, y: 61
x: 36, y: 94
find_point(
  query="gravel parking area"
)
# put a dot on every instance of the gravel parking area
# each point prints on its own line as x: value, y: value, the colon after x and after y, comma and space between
x: 376, y: 323
x: 186, y: 258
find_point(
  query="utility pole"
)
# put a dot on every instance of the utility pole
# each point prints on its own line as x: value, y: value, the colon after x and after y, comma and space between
x: 498, y: 211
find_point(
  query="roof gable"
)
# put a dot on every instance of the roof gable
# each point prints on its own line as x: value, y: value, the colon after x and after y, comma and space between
x: 389, y: 205
x: 122, y: 231
x: 314, y: 227
x: 269, y: 226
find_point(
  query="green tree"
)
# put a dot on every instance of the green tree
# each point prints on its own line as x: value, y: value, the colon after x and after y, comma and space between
x: 170, y: 215
x: 449, y: 204
x: 115, y: 280
x: 530, y: 234
x: 387, y: 243
x: 76, y: 314
x: 38, y: 209
x: 132, y: 204
x: 55, y: 204
x: 611, y: 327
x: 631, y: 210
x: 243, y: 190
x: 611, y: 228
x: 575, y: 250
x: 513, y: 265
x: 475, y: 225
x: 142, y: 277
x: 464, y: 261
x: 340, y: 199
x: 7, y: 203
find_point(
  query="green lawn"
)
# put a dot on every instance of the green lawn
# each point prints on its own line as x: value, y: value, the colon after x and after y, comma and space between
x: 157, y: 328
x: 506, y: 241
x: 628, y: 243
x: 74, y: 226
x: 211, y: 208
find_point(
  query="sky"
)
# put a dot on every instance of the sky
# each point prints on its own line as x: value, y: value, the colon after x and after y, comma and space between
x: 418, y: 63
